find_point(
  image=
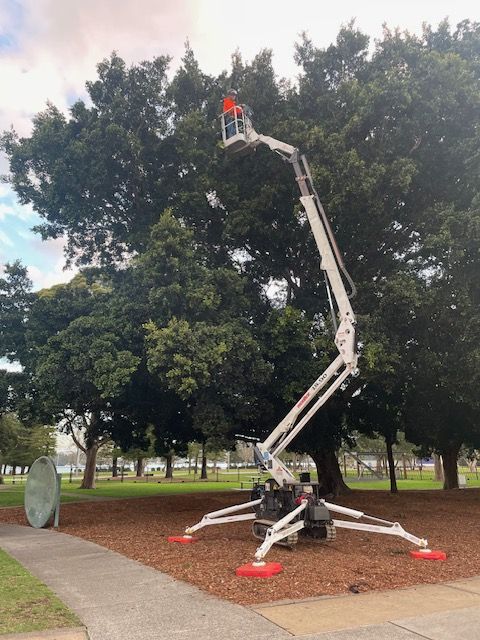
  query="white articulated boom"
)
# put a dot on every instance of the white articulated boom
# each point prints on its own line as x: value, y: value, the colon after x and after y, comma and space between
x: 285, y: 506
x: 345, y: 364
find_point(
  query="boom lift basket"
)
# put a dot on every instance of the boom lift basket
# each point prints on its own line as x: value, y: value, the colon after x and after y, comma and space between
x: 235, y: 125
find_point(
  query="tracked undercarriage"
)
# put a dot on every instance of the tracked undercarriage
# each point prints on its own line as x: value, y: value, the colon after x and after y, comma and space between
x: 277, y: 502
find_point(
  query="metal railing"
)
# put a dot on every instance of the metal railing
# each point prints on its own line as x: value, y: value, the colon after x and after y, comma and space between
x: 234, y: 122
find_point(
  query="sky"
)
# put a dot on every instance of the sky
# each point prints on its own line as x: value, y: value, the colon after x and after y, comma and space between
x: 50, y: 48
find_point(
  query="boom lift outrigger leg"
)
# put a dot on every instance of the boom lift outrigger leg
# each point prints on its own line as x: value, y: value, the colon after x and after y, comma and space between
x: 284, y: 506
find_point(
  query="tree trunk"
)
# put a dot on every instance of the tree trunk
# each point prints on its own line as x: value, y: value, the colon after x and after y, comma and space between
x: 329, y: 474
x: 450, y: 470
x: 195, y: 464
x: 22, y: 470
x: 391, y: 464
x: 140, y: 465
x: 437, y: 463
x: 115, y: 467
x: 88, y: 481
x: 2, y: 481
x: 203, y: 475
x: 169, y: 466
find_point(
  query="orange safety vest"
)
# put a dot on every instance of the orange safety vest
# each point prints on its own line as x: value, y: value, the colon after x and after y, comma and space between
x: 229, y: 103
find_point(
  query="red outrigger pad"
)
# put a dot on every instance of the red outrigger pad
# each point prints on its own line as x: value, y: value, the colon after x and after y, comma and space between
x: 182, y: 539
x: 266, y: 570
x: 424, y: 554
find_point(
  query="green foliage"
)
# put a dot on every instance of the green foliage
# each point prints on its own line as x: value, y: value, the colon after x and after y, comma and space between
x: 20, y: 445
x: 104, y: 202
x: 199, y: 342
x: 183, y: 336
x: 15, y: 300
x: 83, y: 366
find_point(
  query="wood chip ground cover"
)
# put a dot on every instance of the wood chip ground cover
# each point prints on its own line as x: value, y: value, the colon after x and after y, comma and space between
x: 355, y: 562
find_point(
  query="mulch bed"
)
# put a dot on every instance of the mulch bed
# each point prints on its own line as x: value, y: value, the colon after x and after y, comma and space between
x: 355, y: 562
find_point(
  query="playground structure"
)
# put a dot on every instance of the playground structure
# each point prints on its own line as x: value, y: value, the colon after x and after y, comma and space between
x: 284, y: 507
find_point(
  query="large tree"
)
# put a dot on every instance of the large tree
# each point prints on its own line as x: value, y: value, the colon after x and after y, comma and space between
x: 79, y: 372
x: 100, y: 175
x: 200, y: 341
x: 392, y: 139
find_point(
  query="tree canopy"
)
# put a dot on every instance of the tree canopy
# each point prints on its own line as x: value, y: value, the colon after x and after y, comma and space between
x: 200, y: 277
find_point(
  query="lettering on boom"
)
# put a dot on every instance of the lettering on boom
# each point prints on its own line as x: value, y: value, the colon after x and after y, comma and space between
x: 314, y: 387
x: 302, y: 401
x: 318, y: 382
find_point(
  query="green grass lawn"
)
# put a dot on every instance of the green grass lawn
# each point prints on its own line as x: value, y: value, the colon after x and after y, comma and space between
x: 26, y: 604
x: 407, y: 484
x: 133, y: 489
x: 12, y: 494
x: 402, y: 485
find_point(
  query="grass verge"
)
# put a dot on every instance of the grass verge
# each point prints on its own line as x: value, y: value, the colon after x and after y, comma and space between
x: 12, y: 495
x: 26, y: 604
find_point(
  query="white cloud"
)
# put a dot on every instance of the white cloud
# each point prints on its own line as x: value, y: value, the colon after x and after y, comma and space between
x: 277, y: 25
x: 4, y: 239
x: 26, y: 234
x: 45, y: 278
x: 51, y: 270
x: 16, y: 210
x: 60, y: 43
x: 53, y: 249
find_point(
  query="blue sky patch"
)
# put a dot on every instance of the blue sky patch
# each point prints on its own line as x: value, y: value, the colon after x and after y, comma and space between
x: 43, y: 258
x: 15, y: 13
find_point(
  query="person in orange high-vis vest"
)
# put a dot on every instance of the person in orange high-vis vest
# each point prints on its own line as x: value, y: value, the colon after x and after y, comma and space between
x: 233, y: 113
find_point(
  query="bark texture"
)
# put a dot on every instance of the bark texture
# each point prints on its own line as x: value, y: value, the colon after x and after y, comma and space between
x: 437, y: 463
x: 391, y: 465
x: 329, y: 474
x: 203, y: 475
x: 450, y: 471
x: 88, y: 481
x: 169, y: 466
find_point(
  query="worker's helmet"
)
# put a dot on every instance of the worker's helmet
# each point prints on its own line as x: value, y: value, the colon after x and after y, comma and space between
x: 233, y: 93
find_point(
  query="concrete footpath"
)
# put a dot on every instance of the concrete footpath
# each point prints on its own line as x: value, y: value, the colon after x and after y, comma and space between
x: 119, y: 599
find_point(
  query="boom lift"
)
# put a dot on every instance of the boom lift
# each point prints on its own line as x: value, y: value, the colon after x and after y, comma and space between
x: 284, y: 507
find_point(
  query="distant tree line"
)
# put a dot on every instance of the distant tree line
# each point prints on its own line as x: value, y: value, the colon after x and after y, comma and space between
x: 168, y: 328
